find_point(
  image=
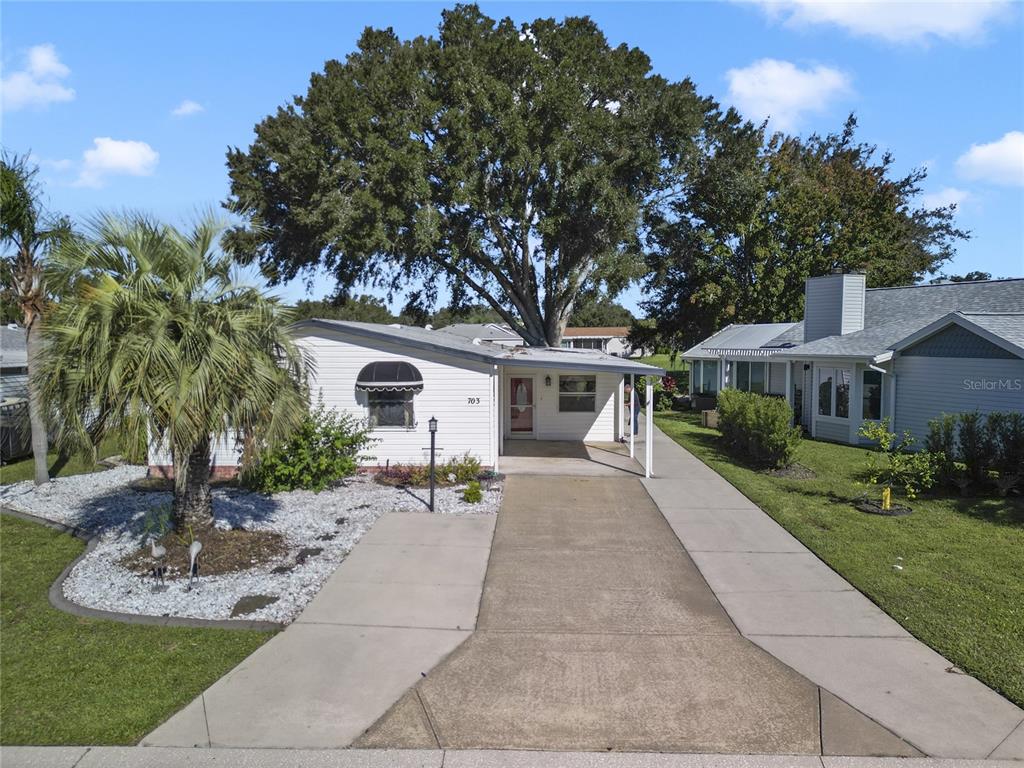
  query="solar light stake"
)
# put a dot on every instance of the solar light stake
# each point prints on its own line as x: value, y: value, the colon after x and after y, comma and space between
x: 432, y: 426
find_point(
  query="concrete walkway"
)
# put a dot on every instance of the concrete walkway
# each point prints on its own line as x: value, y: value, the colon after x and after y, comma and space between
x: 782, y: 597
x: 563, y: 457
x: 404, y: 598
x: 159, y: 757
x: 596, y: 632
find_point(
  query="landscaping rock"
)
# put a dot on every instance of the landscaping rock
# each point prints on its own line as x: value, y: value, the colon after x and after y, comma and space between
x: 103, y: 505
x: 307, y: 552
x: 251, y: 603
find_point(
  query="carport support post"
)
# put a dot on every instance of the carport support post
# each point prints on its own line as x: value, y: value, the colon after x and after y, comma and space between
x: 632, y: 411
x: 649, y: 431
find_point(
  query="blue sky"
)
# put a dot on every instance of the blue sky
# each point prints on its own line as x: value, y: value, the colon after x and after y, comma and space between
x: 92, y: 89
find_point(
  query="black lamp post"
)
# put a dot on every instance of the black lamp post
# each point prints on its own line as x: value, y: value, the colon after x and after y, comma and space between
x: 432, y: 426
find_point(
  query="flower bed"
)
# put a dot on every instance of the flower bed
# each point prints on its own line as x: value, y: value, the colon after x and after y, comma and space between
x: 317, y: 531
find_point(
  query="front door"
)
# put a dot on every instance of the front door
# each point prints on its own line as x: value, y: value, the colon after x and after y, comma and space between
x: 521, y: 406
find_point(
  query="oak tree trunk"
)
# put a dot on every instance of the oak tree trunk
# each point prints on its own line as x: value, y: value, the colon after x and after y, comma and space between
x: 193, y: 502
x: 40, y: 445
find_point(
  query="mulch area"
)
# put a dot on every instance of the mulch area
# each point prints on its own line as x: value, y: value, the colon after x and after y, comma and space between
x: 873, y: 507
x: 223, y: 552
x: 793, y: 472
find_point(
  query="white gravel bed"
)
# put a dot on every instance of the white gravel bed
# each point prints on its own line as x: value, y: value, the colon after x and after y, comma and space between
x: 334, y: 520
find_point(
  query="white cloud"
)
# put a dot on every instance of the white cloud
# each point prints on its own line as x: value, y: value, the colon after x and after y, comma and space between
x: 945, y: 196
x: 39, y: 83
x: 998, y: 162
x: 780, y: 90
x: 111, y: 157
x: 895, y: 22
x: 187, y: 107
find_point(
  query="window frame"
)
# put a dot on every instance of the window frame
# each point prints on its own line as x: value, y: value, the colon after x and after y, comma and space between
x: 578, y: 396
x: 407, y: 399
x: 864, y: 394
x: 834, y: 372
x: 715, y: 379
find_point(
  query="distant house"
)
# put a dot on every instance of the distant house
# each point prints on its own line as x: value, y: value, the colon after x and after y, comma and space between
x: 861, y: 354
x: 484, y: 394
x: 15, y: 436
x: 495, y: 333
x: 612, y: 340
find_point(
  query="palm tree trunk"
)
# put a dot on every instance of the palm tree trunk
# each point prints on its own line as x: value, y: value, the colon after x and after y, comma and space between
x: 40, y: 445
x: 193, y: 503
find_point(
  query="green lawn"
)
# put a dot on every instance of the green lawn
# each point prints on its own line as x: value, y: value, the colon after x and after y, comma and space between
x: 23, y: 469
x: 672, y: 367
x: 961, y: 589
x: 69, y: 680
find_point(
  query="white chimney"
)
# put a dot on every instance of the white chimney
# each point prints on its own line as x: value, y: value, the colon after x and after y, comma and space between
x: 833, y: 304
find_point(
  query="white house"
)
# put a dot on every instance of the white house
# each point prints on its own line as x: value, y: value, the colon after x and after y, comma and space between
x: 613, y: 339
x: 482, y: 394
x: 861, y: 354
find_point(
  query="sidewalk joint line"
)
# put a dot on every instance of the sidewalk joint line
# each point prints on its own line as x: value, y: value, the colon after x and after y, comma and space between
x: 1004, y: 740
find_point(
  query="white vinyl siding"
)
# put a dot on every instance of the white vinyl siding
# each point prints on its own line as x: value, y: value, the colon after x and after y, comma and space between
x: 456, y: 392
x: 226, y: 452
x: 550, y: 423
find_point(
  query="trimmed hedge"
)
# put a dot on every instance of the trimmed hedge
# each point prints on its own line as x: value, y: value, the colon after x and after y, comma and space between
x: 758, y: 427
x: 978, y: 451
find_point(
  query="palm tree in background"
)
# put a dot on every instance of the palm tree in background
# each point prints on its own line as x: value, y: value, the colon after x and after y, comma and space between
x: 155, y: 338
x: 28, y: 234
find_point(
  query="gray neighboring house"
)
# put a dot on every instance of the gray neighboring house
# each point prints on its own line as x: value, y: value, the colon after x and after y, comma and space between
x: 15, y: 436
x: 908, y: 354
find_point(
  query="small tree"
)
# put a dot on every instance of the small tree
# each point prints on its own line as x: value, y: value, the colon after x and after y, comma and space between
x: 155, y: 339
x: 899, y: 466
x: 28, y: 234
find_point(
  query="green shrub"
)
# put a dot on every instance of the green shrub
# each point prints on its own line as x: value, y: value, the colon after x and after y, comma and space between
x: 973, y: 447
x: 455, y: 471
x: 758, y: 427
x: 941, y: 443
x: 473, y: 493
x: 892, y: 463
x: 322, y: 451
x: 464, y: 469
x: 1005, y: 437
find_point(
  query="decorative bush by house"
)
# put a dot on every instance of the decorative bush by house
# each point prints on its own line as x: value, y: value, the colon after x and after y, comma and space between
x: 322, y: 451
x: 758, y: 427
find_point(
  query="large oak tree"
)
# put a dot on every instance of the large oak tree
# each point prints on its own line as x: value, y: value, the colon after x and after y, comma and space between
x: 513, y: 162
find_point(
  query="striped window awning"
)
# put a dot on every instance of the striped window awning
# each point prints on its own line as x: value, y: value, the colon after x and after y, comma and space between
x: 390, y: 376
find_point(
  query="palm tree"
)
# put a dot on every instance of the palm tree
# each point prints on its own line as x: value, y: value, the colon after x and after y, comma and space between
x: 155, y: 338
x: 28, y: 234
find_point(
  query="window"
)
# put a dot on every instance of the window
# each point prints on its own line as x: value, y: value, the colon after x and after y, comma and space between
x: 743, y: 375
x: 709, y: 377
x: 751, y: 377
x: 872, y: 392
x: 587, y: 343
x: 757, y: 378
x: 390, y: 386
x: 577, y: 394
x: 834, y: 392
x: 391, y: 409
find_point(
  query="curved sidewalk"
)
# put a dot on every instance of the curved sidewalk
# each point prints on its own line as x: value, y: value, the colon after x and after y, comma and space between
x: 790, y: 603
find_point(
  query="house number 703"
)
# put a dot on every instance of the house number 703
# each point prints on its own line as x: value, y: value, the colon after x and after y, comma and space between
x: 473, y: 400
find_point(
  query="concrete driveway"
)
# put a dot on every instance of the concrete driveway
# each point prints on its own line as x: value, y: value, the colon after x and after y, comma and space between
x: 597, y: 632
